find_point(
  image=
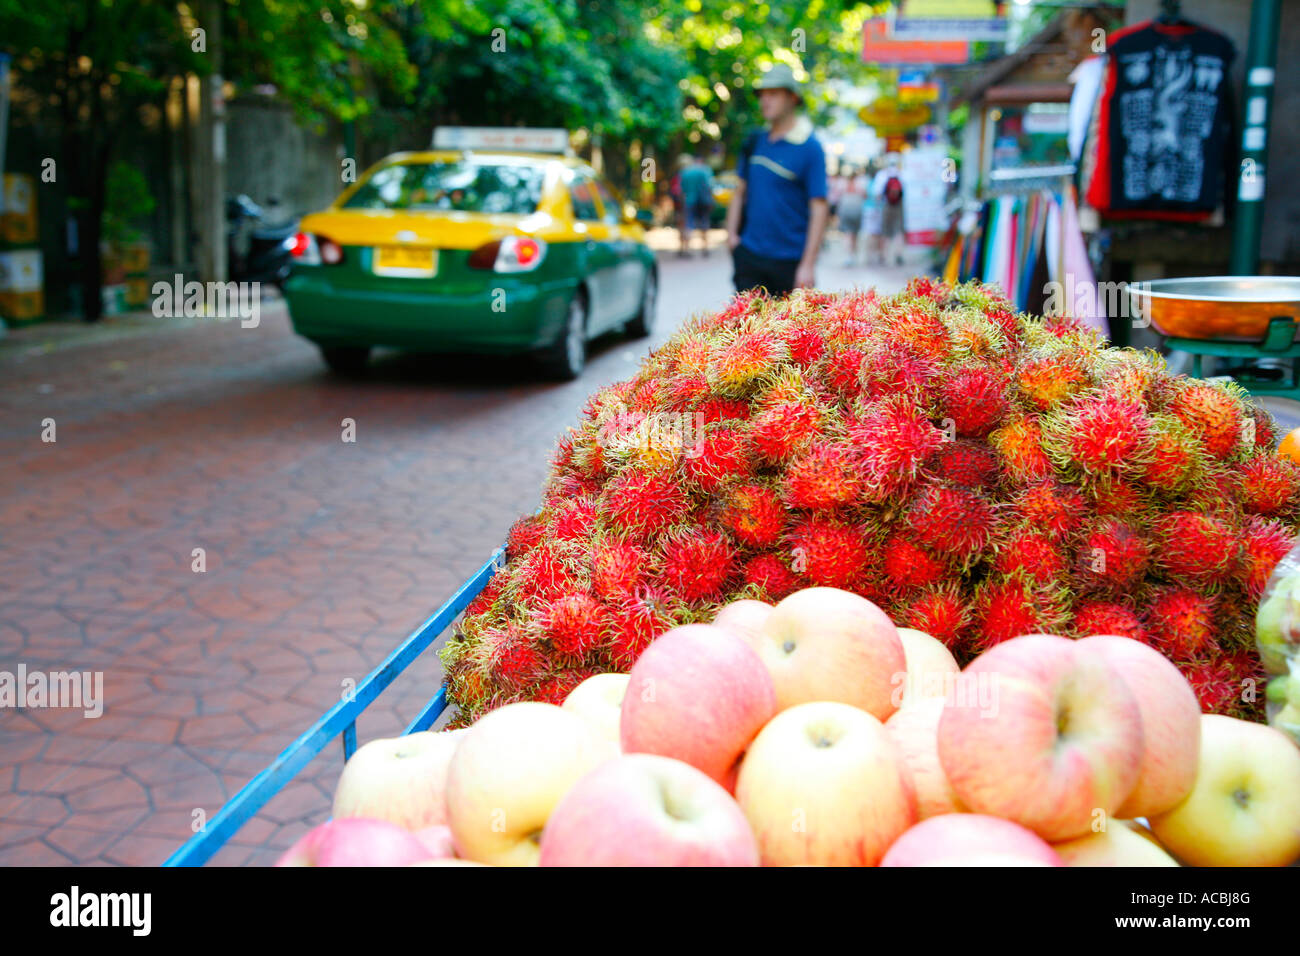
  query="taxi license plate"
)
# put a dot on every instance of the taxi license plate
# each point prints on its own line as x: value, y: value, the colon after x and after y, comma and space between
x: 405, y: 261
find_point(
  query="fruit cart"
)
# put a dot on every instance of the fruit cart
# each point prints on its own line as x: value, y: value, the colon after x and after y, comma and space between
x: 339, y: 720
x: 1251, y: 318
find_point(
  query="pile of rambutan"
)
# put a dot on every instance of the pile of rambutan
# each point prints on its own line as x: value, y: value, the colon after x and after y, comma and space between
x: 977, y: 473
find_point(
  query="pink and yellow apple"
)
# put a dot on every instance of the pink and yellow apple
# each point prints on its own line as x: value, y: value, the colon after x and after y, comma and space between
x: 822, y: 785
x: 599, y: 701
x: 914, y: 730
x: 508, y: 773
x: 698, y: 694
x: 970, y: 839
x: 399, y: 779
x: 1040, y: 730
x: 1245, y: 807
x: 824, y: 644
x: 355, y: 841
x: 744, y: 618
x: 930, y: 669
x: 1117, y: 845
x: 647, y: 810
x: 1171, y: 723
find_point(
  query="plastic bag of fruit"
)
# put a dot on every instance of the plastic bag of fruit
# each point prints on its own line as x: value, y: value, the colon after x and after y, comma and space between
x: 1277, y: 634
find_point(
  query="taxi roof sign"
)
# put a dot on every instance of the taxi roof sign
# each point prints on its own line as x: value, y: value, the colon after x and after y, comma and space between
x: 514, y: 139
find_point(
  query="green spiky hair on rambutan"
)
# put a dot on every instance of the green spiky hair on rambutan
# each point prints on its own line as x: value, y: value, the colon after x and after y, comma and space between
x: 976, y: 472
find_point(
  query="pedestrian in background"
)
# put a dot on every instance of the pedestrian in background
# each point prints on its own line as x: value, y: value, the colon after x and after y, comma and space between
x: 679, y: 204
x: 872, y: 216
x: 781, y: 197
x: 697, y: 200
x: 888, y: 189
x: 849, y: 212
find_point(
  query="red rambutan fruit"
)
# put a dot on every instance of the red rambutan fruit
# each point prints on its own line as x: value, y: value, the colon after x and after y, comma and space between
x: 544, y: 573
x: 964, y: 463
x: 576, y: 624
x: 975, y: 398
x: 1216, y: 684
x: 618, y: 568
x: 486, y: 597
x: 643, y: 504
x: 954, y: 522
x: 720, y: 455
x: 1265, y: 428
x: 515, y: 660
x: 828, y: 553
x: 1177, y: 457
x: 1101, y: 435
x: 1195, y: 546
x: 1180, y: 623
x: 554, y: 690
x: 1034, y: 555
x: 921, y: 331
x: 745, y: 356
x: 941, y: 612
x: 1054, y: 509
x: 524, y: 535
x: 696, y: 563
x: 1106, y: 617
x: 1269, y: 484
x: 1212, y: 413
x: 722, y: 409
x: 1019, y: 445
x: 890, y: 372
x: 1263, y: 544
x: 823, y: 476
x: 573, y: 519
x: 638, y: 621
x: 1051, y: 380
x: 842, y: 371
x: 772, y: 574
x: 1113, y: 554
x: 784, y: 428
x: 755, y: 515
x: 806, y: 345
x: 1116, y: 499
x: 892, y: 441
x: 907, y: 565
x: 1010, y: 606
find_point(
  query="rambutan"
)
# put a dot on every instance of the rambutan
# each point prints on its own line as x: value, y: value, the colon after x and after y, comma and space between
x: 783, y: 429
x: 1030, y: 553
x: 1054, y: 509
x: 1010, y: 606
x: 908, y: 565
x: 1113, y: 554
x: 890, y: 372
x: 1019, y: 445
x: 892, y: 441
x: 720, y: 455
x: 617, y: 567
x: 1100, y: 435
x: 1180, y: 623
x: 1196, y: 547
x: 544, y: 573
x: 921, y: 331
x: 486, y: 597
x: 806, y: 345
x: 554, y: 690
x: 1051, y: 380
x: 823, y: 476
x: 1263, y: 544
x: 827, y: 552
x: 1177, y: 457
x: 940, y: 611
x: 722, y: 409
x: 975, y: 399
x: 524, y: 535
x: 964, y: 463
x: 637, y: 621
x: 1213, y: 412
x: 1269, y: 484
x: 1106, y: 617
x: 643, y: 505
x: 1217, y: 686
x: 771, y: 573
x: 951, y: 521
x: 573, y: 519
x: 576, y: 624
x: 515, y: 660
x: 842, y: 371
x: 755, y: 515
x: 696, y: 563
x: 743, y: 357
x: 1116, y: 499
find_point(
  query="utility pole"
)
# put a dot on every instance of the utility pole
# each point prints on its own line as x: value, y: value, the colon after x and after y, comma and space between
x: 1261, y: 61
x: 210, y: 165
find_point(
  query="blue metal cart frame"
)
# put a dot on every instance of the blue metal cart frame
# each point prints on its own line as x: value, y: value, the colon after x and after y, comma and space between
x: 341, y: 719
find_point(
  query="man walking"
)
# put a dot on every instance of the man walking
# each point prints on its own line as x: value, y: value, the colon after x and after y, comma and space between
x: 697, y: 197
x: 778, y: 215
x: 888, y: 190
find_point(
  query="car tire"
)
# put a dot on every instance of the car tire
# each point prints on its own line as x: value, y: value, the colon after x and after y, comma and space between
x: 346, y: 361
x: 566, y: 357
x: 643, y: 323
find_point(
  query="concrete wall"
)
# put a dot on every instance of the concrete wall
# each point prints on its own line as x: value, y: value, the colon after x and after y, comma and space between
x: 269, y: 154
x: 1281, y: 239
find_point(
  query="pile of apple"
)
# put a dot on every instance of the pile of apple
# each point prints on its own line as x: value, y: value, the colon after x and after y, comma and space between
x: 815, y: 732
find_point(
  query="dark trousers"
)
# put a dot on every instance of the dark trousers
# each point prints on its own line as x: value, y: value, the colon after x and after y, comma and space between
x: 753, y: 270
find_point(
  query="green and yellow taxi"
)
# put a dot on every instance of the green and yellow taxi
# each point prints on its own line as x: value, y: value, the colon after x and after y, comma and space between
x: 472, y: 251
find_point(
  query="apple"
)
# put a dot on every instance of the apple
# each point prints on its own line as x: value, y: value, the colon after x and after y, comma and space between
x: 355, y: 841
x: 1245, y: 807
x: 823, y: 785
x: 599, y: 701
x: 448, y: 861
x: 699, y: 694
x: 399, y: 779
x: 1171, y: 723
x: 1117, y: 845
x: 970, y: 839
x: 745, y: 617
x: 824, y: 644
x: 647, y: 810
x: 510, y: 770
x: 1042, y: 731
x: 438, y: 841
x: 914, y: 730
x: 930, y: 667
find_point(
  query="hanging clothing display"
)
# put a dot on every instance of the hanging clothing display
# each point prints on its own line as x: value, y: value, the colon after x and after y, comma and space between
x: 1165, y: 118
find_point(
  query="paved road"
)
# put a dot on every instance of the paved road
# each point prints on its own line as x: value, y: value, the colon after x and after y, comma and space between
x: 318, y: 555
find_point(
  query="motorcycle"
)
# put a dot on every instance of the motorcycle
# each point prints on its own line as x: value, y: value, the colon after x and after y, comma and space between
x: 258, y: 247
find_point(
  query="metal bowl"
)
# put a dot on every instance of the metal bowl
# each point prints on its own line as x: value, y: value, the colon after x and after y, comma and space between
x: 1236, y: 308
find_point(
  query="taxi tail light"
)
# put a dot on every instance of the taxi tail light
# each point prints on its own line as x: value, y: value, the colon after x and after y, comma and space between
x: 305, y: 250
x: 331, y: 253
x: 510, y: 254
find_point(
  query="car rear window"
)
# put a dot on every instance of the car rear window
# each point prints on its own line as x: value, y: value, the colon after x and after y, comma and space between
x: 457, y: 186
